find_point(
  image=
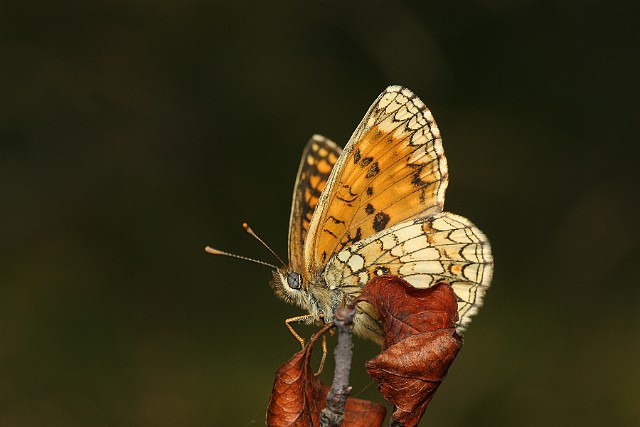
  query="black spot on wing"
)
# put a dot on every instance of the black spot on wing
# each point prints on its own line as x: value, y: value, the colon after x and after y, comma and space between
x: 366, y: 161
x: 369, y: 209
x: 369, y: 191
x: 417, y: 181
x: 356, y: 156
x: 415, y: 176
x: 347, y: 198
x: 351, y: 240
x: 380, y: 221
x: 335, y: 220
x: 373, y: 170
x: 330, y: 233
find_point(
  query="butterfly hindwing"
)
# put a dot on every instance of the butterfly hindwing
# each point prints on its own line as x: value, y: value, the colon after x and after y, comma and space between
x: 423, y: 251
x: 318, y: 158
x: 393, y: 169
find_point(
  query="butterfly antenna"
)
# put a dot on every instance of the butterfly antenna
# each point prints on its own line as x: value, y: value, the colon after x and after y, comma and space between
x: 250, y: 232
x: 213, y: 251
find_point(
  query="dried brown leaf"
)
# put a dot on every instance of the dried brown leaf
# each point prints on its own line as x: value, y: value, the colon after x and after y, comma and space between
x: 298, y: 397
x: 420, y: 342
x: 363, y: 413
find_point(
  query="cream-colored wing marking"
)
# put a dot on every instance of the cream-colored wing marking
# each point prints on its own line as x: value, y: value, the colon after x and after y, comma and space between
x: 424, y: 251
x: 393, y: 169
x: 318, y: 158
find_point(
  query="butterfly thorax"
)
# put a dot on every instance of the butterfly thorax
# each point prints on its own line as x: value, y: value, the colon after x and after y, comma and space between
x: 312, y: 296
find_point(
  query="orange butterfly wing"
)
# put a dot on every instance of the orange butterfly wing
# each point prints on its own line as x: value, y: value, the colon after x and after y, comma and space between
x: 318, y: 158
x: 392, y: 169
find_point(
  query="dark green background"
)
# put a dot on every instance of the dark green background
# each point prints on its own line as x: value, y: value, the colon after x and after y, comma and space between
x: 136, y: 133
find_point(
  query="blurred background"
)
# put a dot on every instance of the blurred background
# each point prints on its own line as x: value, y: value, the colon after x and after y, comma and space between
x: 135, y: 133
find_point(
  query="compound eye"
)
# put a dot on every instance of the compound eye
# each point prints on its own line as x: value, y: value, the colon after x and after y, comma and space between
x: 294, y: 280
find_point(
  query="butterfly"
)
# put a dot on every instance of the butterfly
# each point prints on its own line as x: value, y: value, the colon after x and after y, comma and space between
x: 374, y: 208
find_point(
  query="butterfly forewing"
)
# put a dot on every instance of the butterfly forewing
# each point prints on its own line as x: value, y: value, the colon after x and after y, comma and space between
x: 393, y: 169
x: 423, y: 251
x: 318, y: 158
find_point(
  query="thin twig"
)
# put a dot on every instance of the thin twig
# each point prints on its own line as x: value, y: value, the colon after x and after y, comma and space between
x: 333, y: 414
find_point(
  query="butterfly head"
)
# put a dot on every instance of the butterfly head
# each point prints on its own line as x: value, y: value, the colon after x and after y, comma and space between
x: 292, y: 287
x: 294, y: 280
x: 289, y: 285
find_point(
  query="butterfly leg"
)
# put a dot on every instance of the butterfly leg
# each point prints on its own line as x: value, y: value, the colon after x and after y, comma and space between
x: 324, y: 355
x: 304, y: 318
x: 297, y: 319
